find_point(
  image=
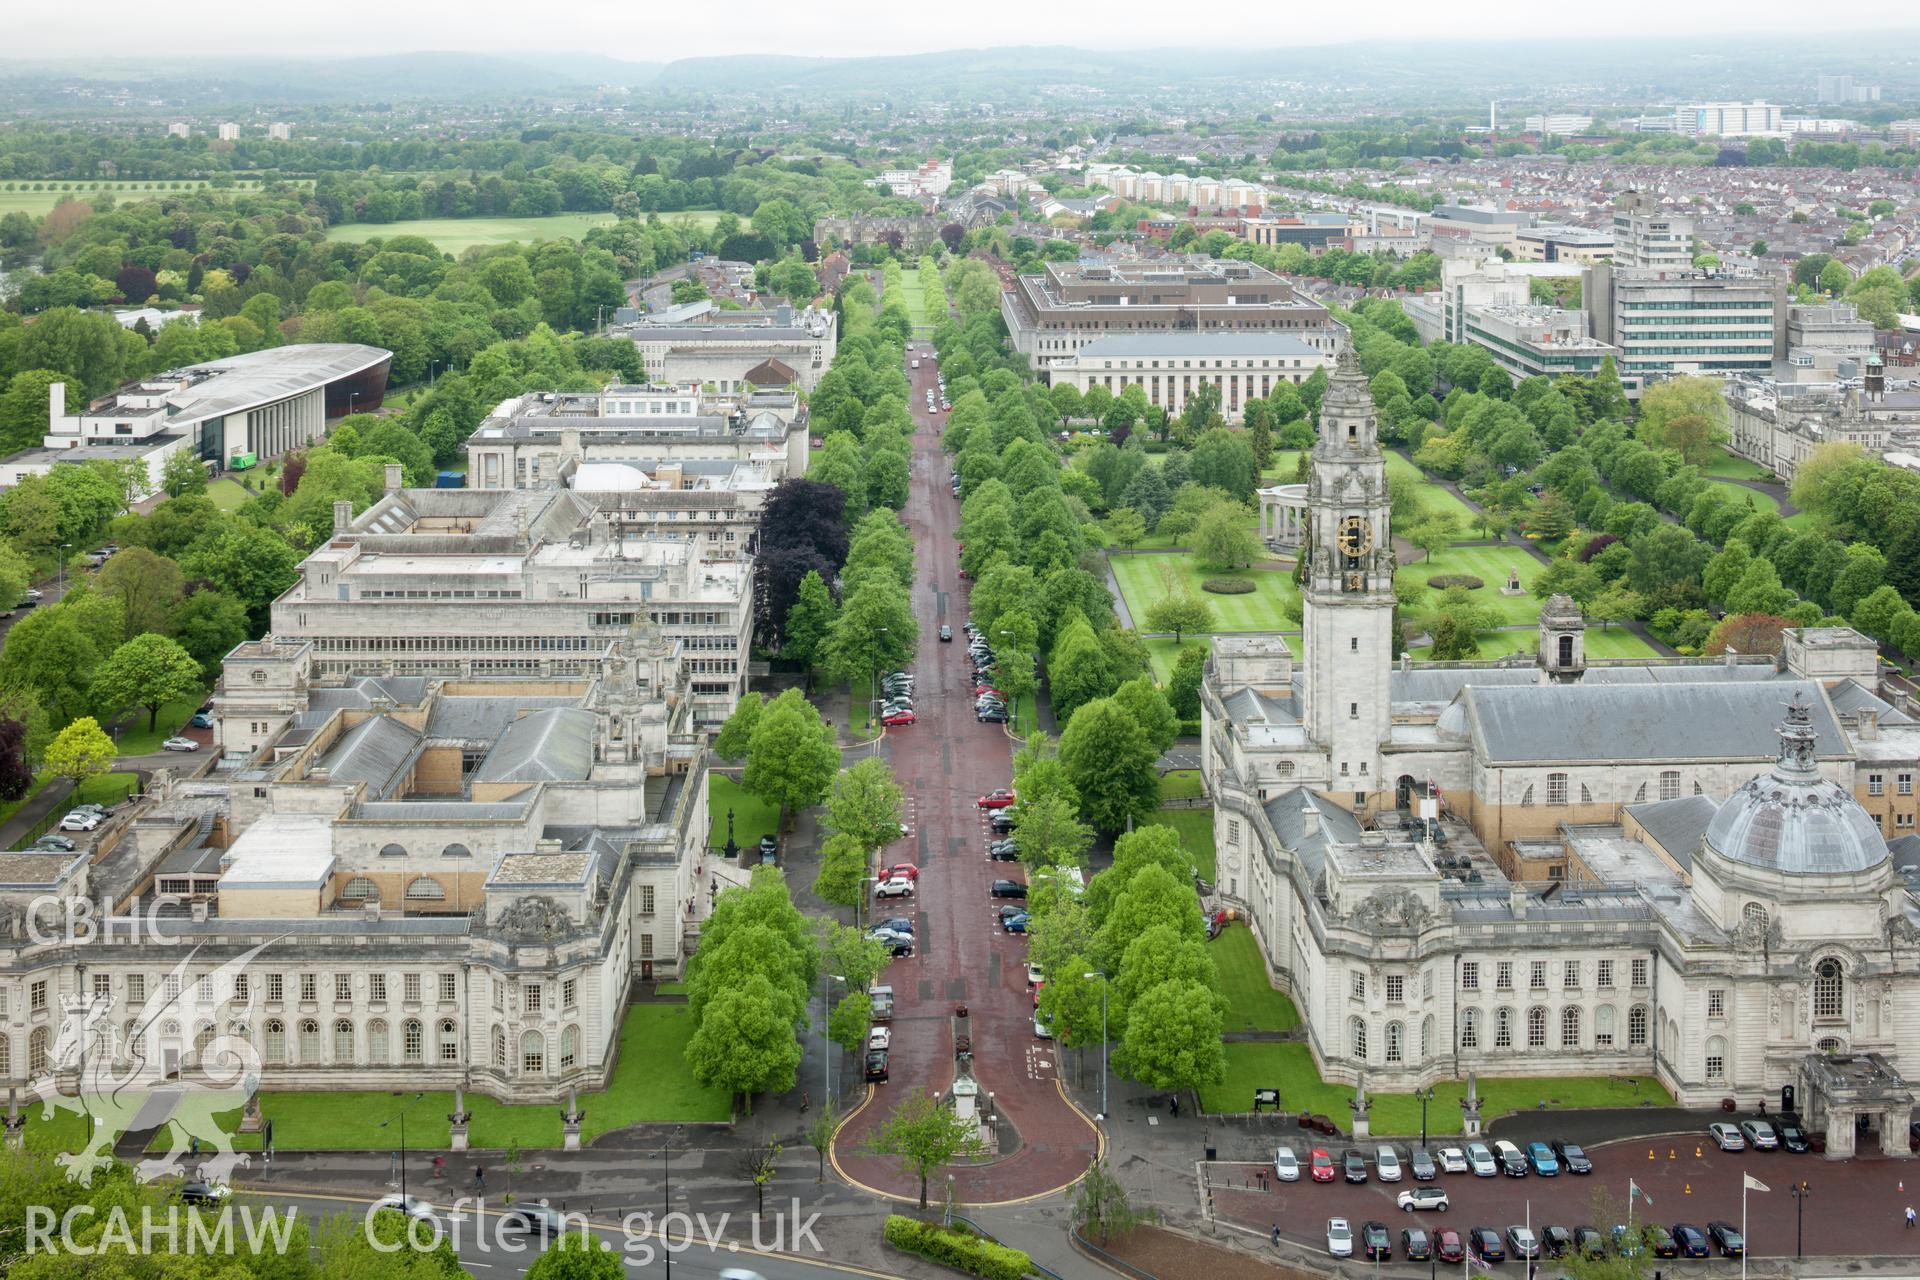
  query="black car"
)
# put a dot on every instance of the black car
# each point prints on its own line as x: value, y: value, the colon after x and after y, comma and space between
x: 877, y: 1065
x: 1557, y: 1242
x: 1375, y: 1244
x: 1001, y: 822
x: 1689, y: 1240
x: 1572, y: 1158
x: 1355, y: 1165
x: 899, y: 924
x: 1792, y: 1136
x: 1590, y: 1242
x: 1009, y: 889
x: 1661, y: 1241
x: 207, y: 1194
x: 996, y: 716
x: 1416, y: 1245
x: 946, y: 634
x: 533, y: 1220
x: 1727, y: 1239
x: 1485, y: 1244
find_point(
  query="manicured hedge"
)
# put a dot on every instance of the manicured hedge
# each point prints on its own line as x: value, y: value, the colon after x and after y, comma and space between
x: 1228, y: 586
x: 1441, y: 581
x: 958, y: 1249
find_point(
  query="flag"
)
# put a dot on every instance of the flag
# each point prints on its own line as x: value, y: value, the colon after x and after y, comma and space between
x: 1633, y: 1189
x: 1752, y: 1183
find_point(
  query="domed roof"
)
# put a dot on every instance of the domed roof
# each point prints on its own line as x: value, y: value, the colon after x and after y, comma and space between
x: 1452, y: 725
x: 1793, y: 820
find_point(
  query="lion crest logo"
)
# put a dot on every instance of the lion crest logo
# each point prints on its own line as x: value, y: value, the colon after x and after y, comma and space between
x: 183, y: 1059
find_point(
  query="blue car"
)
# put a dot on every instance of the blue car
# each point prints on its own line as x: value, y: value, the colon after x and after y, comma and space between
x: 201, y: 720
x: 1540, y: 1156
x: 1015, y: 924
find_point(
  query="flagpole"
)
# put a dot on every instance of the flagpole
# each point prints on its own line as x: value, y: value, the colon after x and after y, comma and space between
x: 1743, y: 1228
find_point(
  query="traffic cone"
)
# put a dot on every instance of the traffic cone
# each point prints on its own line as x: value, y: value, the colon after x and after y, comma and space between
x: 1689, y: 1188
x: 1672, y: 1154
x: 1696, y: 1153
x: 1649, y: 1153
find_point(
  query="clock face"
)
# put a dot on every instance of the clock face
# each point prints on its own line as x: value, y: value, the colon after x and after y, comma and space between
x: 1354, y: 536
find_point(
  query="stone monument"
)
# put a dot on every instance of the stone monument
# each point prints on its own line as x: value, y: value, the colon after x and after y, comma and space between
x: 570, y: 1121
x: 1362, y: 1126
x: 457, y: 1121
x: 1470, y: 1108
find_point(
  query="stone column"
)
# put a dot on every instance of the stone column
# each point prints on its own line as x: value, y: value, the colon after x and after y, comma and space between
x: 1840, y: 1133
x: 1362, y: 1126
x: 1893, y: 1133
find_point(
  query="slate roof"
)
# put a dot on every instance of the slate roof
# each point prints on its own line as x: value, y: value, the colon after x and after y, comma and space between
x: 1850, y: 696
x: 555, y: 745
x: 484, y: 718
x: 1728, y: 720
x: 1676, y: 825
x: 1287, y: 812
x: 376, y: 751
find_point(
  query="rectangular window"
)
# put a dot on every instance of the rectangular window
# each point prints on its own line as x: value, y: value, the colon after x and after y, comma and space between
x: 646, y: 899
x: 569, y: 994
x: 171, y: 986
x: 1359, y: 985
x: 309, y: 986
x: 1603, y: 973
x: 449, y: 987
x: 1426, y: 984
x: 241, y: 988
x: 1639, y: 973
x: 1537, y: 976
x: 102, y: 986
x: 1669, y: 784
x: 531, y: 997
x: 410, y: 987
x: 1570, y: 974
x: 1716, y: 1067
x: 1503, y: 975
x: 1556, y: 788
x: 1876, y: 784
x: 1904, y: 783
x: 1233, y: 832
x: 1396, y: 988
x: 276, y: 987
x: 37, y: 996
x: 343, y: 986
x: 646, y: 946
x: 1716, y: 1003
x: 1470, y: 975
x: 376, y: 986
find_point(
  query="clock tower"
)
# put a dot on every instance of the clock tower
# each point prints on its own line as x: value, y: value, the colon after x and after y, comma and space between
x: 1347, y: 587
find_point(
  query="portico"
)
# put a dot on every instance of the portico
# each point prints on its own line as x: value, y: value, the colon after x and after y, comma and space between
x: 1283, y: 515
x: 1841, y: 1089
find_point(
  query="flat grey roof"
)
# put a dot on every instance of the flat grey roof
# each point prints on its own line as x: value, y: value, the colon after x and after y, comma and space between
x: 1681, y: 722
x: 262, y: 377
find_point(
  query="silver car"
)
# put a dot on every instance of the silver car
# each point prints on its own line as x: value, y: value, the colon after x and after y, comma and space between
x: 1480, y: 1160
x: 1386, y: 1163
x: 1286, y: 1165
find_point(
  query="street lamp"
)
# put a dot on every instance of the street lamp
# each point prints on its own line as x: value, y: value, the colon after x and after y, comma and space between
x: 873, y: 705
x: 1425, y: 1095
x: 826, y: 1044
x: 402, y: 1118
x: 666, y: 1198
x: 1101, y: 974
x: 1799, y: 1192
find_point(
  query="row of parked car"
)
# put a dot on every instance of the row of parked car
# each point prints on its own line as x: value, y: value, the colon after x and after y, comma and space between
x: 896, y: 699
x: 1543, y: 1159
x: 1525, y: 1243
x: 989, y: 703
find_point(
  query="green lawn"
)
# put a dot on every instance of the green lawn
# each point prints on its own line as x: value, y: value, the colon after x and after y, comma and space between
x: 1432, y: 497
x: 650, y: 1083
x: 1289, y: 1068
x: 1164, y: 653
x: 36, y: 203
x: 1742, y: 496
x: 1252, y: 1003
x: 1272, y: 606
x: 138, y: 740
x: 914, y: 295
x: 227, y: 493
x: 455, y: 235
x: 1613, y: 642
x: 752, y: 816
x: 1195, y: 829
x: 1180, y: 784
x: 1726, y: 466
x: 1487, y: 563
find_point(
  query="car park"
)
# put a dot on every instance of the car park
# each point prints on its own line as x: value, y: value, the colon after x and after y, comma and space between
x: 1339, y: 1238
x: 1003, y: 851
x: 179, y: 744
x: 1689, y: 1241
x: 1727, y: 1239
x: 1792, y: 1136
x: 898, y: 944
x: 1353, y: 1165
x: 876, y: 1069
x: 1420, y: 1165
x: 1448, y: 1246
x: 533, y: 1220
x: 1522, y: 1243
x: 1001, y: 823
x: 1009, y: 889
x: 898, y: 719
x: 1416, y: 1245
x: 1286, y: 1165
x: 1726, y: 1136
x: 1320, y: 1165
x: 899, y: 924
x: 997, y: 715
x: 1452, y: 1160
x: 1542, y: 1161
x: 1513, y: 1161
x: 1572, y: 1157
x: 1386, y: 1163
x: 1423, y: 1198
x: 900, y: 888
x: 1485, y: 1244
x: 1556, y: 1242
x: 1007, y: 913
x: 1589, y: 1242
x: 1759, y: 1135
x: 1000, y: 799
x: 1480, y: 1160
x: 1375, y: 1244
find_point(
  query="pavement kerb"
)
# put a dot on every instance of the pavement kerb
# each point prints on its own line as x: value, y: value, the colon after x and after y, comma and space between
x: 1099, y: 1153
x: 333, y: 1197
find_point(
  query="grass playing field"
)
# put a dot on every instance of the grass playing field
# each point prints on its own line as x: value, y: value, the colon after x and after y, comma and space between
x: 1726, y: 466
x: 38, y: 203
x: 1741, y: 496
x: 1272, y: 606
x: 1164, y: 653
x: 1433, y: 498
x: 1490, y: 564
x: 456, y: 235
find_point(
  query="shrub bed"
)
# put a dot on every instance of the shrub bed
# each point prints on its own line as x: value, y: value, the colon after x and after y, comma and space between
x: 1228, y: 586
x: 958, y: 1249
x: 1441, y: 581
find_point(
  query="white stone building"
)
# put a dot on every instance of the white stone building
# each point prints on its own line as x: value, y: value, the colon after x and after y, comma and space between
x: 734, y: 351
x: 1170, y: 366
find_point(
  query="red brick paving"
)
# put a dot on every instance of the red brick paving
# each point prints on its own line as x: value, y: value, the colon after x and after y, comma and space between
x: 945, y: 762
x: 1855, y: 1207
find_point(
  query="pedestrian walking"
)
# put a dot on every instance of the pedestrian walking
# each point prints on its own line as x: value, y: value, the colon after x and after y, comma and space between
x: 439, y: 1166
x: 1275, y: 1236
x: 479, y: 1178
x: 1909, y: 1217
x: 1175, y: 1105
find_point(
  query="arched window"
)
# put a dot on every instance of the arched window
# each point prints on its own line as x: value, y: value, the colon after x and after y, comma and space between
x: 425, y: 889
x: 1470, y: 1029
x: 1284, y: 769
x: 1426, y: 1037
x: 1536, y: 1028
x: 449, y: 1041
x: 533, y: 1054
x: 309, y: 1041
x: 411, y: 1039
x: 499, y: 1049
x: 276, y: 1042
x: 569, y: 1048
x: 360, y: 889
x: 378, y: 1050
x: 1503, y: 1028
x: 1637, y: 1027
x: 37, y: 1053
x: 393, y: 851
x: 342, y: 1042
x: 1716, y: 1058
x: 1603, y: 1027
x: 1396, y: 1042
x: 1570, y: 1027
x: 1756, y: 914
x: 456, y: 851
x: 1829, y: 991
x: 1357, y: 1038
x: 1829, y: 1044
x: 1526, y: 797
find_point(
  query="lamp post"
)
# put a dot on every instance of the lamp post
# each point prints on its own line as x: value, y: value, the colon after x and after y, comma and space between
x: 873, y: 707
x: 1101, y: 974
x: 402, y: 1118
x: 826, y: 1043
x: 1425, y: 1095
x: 666, y: 1198
x: 351, y: 397
x: 1799, y: 1191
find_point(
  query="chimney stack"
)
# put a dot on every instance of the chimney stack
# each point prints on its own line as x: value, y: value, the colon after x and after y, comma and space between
x: 56, y: 404
x: 342, y: 515
x: 1867, y: 724
x: 395, y: 476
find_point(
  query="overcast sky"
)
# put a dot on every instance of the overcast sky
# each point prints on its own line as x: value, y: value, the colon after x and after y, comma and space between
x: 653, y: 30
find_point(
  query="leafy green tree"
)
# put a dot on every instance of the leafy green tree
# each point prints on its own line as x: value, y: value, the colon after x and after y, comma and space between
x: 843, y: 867
x: 1100, y: 1206
x: 251, y: 564
x: 1126, y: 526
x: 1453, y: 640
x: 1183, y: 690
x: 50, y: 658
x: 1222, y: 540
x: 1172, y: 1039
x: 1160, y: 954
x: 809, y: 621
x: 24, y: 408
x: 847, y: 1024
x: 791, y: 755
x: 745, y: 1042
x: 577, y: 1256
x: 865, y: 802
x: 925, y: 1135
x: 1110, y: 761
x: 16, y: 574
x: 16, y: 764
x: 1180, y: 613
x: 1616, y: 604
x: 1079, y: 669
x: 80, y: 751
x: 183, y: 473
x: 208, y: 624
x: 1434, y: 532
x: 146, y: 585
x: 1049, y: 833
x: 1142, y: 699
x: 150, y: 671
x: 735, y: 736
x: 876, y: 630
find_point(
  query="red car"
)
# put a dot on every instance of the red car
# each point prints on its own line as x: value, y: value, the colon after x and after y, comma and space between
x: 1447, y: 1245
x: 982, y: 690
x: 901, y: 871
x: 898, y: 718
x: 1320, y: 1165
x: 1001, y: 799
